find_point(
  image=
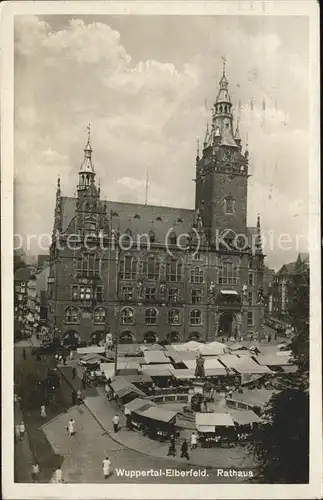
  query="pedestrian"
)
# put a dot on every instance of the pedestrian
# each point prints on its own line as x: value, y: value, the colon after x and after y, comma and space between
x: 58, y: 475
x: 60, y: 359
x: 269, y: 338
x: 35, y: 472
x: 106, y: 467
x: 43, y: 411
x: 73, y: 372
x: 184, y: 450
x: 79, y: 397
x: 205, y: 405
x: 64, y: 360
x: 24, y: 354
x: 56, y: 357
x: 116, y: 422
x: 74, y: 396
x: 22, y: 430
x: 71, y: 427
x: 17, y: 431
x: 172, y: 447
x: 275, y: 335
x: 127, y: 413
x: 84, y: 381
x: 193, y: 440
x: 71, y: 354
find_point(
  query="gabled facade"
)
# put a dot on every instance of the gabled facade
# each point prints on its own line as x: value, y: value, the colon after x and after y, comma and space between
x: 148, y: 272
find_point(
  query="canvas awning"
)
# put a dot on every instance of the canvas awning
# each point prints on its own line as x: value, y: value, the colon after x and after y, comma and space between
x: 212, y: 420
x: 119, y: 384
x: 159, y: 414
x: 212, y: 349
x: 155, y: 357
x: 272, y: 360
x: 107, y: 369
x: 139, y: 378
x: 158, y: 370
x: 124, y: 391
x: 184, y: 374
x: 255, y: 397
x: 229, y: 292
x: 244, y: 417
x: 139, y: 404
x: 90, y: 350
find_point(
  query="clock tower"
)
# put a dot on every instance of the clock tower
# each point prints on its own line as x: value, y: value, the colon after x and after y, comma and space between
x: 222, y: 172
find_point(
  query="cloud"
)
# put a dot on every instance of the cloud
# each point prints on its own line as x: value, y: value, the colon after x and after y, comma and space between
x: 147, y: 111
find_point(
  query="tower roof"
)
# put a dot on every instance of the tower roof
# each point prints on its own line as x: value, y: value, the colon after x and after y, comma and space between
x: 223, y: 95
x: 87, y: 165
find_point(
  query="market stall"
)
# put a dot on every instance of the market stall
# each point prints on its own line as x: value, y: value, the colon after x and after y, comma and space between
x: 215, y: 429
x: 245, y: 421
x: 255, y: 400
x: 156, y: 423
x: 128, y: 393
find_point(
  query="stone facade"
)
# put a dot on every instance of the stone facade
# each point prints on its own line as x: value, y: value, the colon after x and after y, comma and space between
x: 149, y: 272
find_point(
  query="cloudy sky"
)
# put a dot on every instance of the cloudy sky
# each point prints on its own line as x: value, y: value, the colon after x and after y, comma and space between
x: 146, y: 84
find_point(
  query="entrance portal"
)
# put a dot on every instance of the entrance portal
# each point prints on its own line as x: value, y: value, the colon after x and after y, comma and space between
x: 226, y: 324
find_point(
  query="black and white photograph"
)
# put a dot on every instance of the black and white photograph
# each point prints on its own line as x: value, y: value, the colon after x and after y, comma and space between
x: 161, y: 250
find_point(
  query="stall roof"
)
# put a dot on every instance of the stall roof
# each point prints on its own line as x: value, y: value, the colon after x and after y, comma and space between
x: 151, y: 347
x: 244, y: 417
x: 183, y: 374
x: 238, y: 347
x: 160, y: 414
x: 289, y: 368
x: 212, y: 350
x: 123, y: 391
x: 139, y: 404
x: 136, y: 378
x: 248, y: 365
x: 128, y: 364
x: 272, y: 360
x: 255, y: 397
x: 129, y: 349
x: 91, y: 350
x: 229, y: 360
x: 92, y: 358
x: 158, y: 370
x: 192, y: 345
x: 107, y: 369
x: 155, y: 357
x: 213, y: 420
x: 119, y: 383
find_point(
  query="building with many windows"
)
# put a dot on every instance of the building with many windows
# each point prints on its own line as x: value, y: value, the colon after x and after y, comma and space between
x: 148, y: 272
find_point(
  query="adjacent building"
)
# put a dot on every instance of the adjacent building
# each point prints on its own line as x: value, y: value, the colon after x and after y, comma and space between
x: 26, y: 306
x: 148, y: 272
x: 281, y: 285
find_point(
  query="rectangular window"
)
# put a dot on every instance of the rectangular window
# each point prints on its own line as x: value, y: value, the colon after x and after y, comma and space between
x: 250, y: 279
x: 173, y: 270
x: 196, y: 296
x: 150, y: 294
x: 86, y: 293
x: 128, y: 268
x: 99, y: 293
x: 250, y: 318
x: 250, y: 298
x: 75, y: 292
x: 127, y: 292
x: 228, y: 274
x: 173, y: 295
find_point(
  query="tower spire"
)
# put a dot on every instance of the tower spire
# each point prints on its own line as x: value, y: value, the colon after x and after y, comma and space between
x: 223, y: 65
x: 87, y: 173
x: 197, y: 149
x: 258, y: 242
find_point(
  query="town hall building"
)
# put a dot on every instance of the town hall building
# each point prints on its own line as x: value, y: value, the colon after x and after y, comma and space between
x: 146, y: 273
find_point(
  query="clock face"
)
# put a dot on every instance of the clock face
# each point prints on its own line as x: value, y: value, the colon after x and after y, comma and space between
x: 228, y: 155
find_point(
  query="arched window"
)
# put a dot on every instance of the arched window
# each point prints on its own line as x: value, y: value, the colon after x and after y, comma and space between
x: 151, y: 316
x: 99, y: 315
x: 127, y: 316
x: 197, y: 275
x: 174, y: 270
x: 90, y: 227
x: 195, y: 317
x: 128, y: 267
x: 150, y: 338
x: 173, y: 337
x: 72, y: 315
x: 194, y: 336
x: 229, y: 205
x: 151, y: 268
x: 228, y: 273
x: 174, y: 317
x: 126, y: 338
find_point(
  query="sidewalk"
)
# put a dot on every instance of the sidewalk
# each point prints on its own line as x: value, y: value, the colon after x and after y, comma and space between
x: 103, y: 411
x: 23, y: 456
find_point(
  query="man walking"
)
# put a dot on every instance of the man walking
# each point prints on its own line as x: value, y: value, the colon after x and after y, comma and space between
x: 106, y: 467
x: 35, y: 472
x: 71, y: 427
x: 172, y: 448
x: 58, y: 475
x: 43, y: 411
x: 184, y: 450
x: 22, y: 430
x: 73, y: 372
x: 193, y: 440
x: 116, y: 422
x: 79, y: 397
x: 127, y: 413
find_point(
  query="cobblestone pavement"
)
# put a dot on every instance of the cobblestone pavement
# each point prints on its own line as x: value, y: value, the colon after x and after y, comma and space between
x: 84, y: 452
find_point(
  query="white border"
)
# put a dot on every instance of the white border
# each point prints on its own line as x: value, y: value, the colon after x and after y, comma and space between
x: 307, y: 8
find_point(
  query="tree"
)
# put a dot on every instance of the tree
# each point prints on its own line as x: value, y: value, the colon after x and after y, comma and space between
x: 282, y: 441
